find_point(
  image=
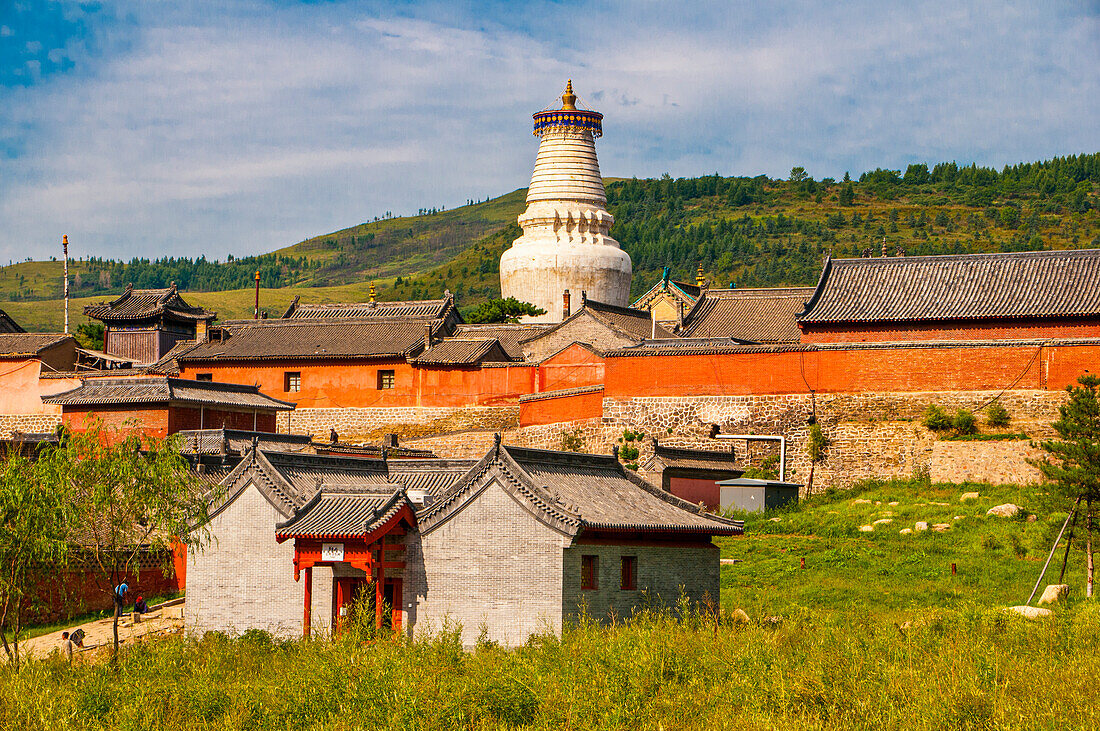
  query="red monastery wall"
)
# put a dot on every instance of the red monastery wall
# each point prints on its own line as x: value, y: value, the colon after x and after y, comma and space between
x: 954, y: 330
x: 852, y: 370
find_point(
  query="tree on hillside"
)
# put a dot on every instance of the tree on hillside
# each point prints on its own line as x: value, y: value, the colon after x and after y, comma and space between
x: 1074, y: 462
x: 130, y: 495
x: 502, y: 310
x: 32, y: 535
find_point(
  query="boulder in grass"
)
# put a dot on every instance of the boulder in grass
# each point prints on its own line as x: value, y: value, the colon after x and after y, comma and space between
x: 941, y: 527
x: 920, y: 525
x: 968, y: 496
x: 739, y: 616
x: 894, y: 503
x: 1008, y: 510
x: 905, y: 531
x: 1032, y: 518
x: 866, y: 528
x: 1030, y: 612
x: 1054, y: 593
x: 880, y: 521
x: 861, y: 501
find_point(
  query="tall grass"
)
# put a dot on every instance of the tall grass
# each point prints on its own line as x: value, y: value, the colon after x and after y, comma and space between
x: 972, y: 668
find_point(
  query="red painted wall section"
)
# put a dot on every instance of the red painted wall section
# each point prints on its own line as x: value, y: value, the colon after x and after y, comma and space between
x: 324, y: 385
x: 564, y: 408
x: 74, y: 592
x: 985, y: 330
x: 22, y: 388
x: 151, y: 420
x: 852, y: 370
x: 355, y: 384
x: 696, y: 490
x: 180, y: 418
x: 573, y: 367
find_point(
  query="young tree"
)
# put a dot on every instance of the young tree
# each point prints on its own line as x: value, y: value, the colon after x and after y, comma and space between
x: 128, y: 494
x: 32, y: 535
x: 1074, y: 462
x: 502, y: 310
x: 816, y: 444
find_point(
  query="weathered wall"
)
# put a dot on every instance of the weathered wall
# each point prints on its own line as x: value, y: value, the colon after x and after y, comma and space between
x: 553, y: 407
x: 152, y: 420
x: 492, y: 564
x: 581, y: 329
x: 570, y: 368
x: 866, y: 369
x: 409, y: 422
x: 28, y: 423
x: 180, y: 418
x: 662, y: 570
x: 994, y: 462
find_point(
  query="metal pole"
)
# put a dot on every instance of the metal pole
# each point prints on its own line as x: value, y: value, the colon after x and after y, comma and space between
x: 65, y: 250
x: 1052, y: 550
x: 256, y: 310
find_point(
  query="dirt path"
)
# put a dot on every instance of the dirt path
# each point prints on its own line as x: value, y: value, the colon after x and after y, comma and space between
x: 163, y: 618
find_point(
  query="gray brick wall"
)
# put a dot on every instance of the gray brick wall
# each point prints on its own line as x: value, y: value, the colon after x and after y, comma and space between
x: 581, y: 330
x: 661, y: 571
x: 243, y: 579
x: 494, y: 564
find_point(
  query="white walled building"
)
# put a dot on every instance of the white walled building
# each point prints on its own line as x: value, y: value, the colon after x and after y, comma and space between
x: 566, y: 244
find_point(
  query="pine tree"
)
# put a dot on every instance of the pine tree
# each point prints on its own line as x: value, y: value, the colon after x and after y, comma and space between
x: 1074, y: 461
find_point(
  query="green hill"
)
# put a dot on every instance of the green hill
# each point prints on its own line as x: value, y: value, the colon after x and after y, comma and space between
x: 743, y: 231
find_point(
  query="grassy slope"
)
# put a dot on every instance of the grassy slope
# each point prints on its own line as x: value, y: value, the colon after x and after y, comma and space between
x: 884, y: 574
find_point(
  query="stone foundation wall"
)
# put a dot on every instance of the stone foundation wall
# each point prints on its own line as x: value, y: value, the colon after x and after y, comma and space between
x: 364, y: 424
x: 994, y: 462
x: 28, y: 423
x: 873, y: 435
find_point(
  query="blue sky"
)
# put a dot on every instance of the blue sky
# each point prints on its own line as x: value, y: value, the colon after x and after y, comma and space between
x: 240, y: 126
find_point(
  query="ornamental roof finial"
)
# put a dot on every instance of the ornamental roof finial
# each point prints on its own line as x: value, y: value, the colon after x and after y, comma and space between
x: 569, y: 99
x: 372, y: 291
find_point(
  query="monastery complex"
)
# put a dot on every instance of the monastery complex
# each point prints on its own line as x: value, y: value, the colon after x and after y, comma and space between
x: 501, y: 475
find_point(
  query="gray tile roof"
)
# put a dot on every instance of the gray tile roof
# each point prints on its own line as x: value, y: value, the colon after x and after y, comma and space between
x: 695, y: 459
x: 633, y: 324
x: 509, y: 335
x: 238, y: 441
x: 957, y: 287
x: 344, y: 515
x: 312, y: 339
x: 8, y: 325
x: 463, y: 351
x: 141, y: 304
x: 411, y: 309
x: 574, y: 493
x: 560, y: 393
x: 28, y: 345
x: 759, y: 315
x: 165, y: 390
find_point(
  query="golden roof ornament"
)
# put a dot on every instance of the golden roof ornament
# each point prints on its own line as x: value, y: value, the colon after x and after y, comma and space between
x: 372, y: 291
x: 568, y: 99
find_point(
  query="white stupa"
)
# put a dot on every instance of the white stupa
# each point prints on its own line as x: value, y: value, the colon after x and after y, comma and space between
x: 565, y: 243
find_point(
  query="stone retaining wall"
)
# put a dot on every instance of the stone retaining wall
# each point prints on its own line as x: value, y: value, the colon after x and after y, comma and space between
x: 364, y: 424
x: 28, y: 423
x: 994, y: 462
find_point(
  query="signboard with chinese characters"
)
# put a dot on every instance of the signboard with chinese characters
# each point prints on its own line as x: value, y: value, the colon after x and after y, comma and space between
x: 332, y: 551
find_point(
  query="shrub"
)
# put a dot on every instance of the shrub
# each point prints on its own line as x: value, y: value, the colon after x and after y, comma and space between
x: 996, y: 415
x: 936, y: 419
x: 964, y: 422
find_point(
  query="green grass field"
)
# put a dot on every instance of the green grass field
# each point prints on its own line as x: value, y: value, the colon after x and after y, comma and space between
x: 873, y: 633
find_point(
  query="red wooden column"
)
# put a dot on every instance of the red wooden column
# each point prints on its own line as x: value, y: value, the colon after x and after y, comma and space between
x: 378, y: 594
x: 398, y: 605
x: 308, y: 610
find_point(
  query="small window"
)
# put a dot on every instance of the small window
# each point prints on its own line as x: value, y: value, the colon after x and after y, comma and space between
x: 292, y: 381
x: 630, y: 573
x: 204, y: 376
x: 385, y: 379
x: 590, y: 572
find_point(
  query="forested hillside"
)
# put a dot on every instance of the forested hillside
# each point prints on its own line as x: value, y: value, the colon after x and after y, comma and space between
x: 745, y: 231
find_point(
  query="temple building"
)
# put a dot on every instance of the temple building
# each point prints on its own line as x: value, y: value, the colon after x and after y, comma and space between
x: 144, y: 324
x: 566, y: 245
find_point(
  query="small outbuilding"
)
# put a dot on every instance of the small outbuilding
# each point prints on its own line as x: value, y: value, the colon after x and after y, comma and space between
x: 756, y: 496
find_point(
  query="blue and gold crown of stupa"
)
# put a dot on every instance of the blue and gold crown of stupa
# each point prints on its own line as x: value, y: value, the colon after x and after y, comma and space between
x: 568, y: 116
